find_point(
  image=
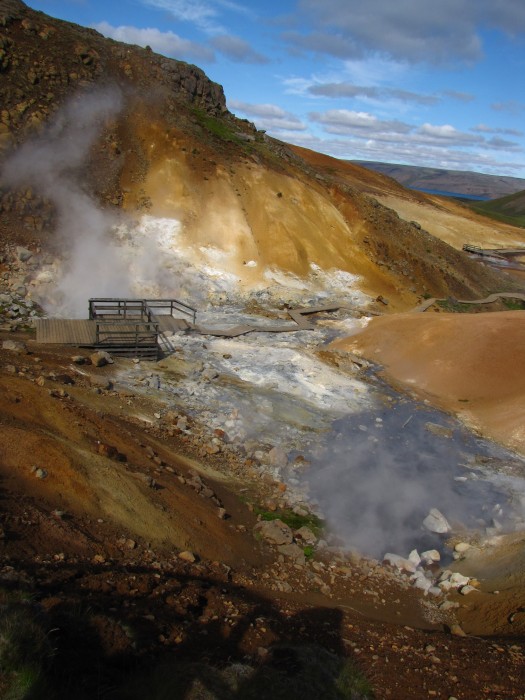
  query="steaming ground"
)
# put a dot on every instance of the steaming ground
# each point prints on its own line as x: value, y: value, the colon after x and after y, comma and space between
x: 374, y: 463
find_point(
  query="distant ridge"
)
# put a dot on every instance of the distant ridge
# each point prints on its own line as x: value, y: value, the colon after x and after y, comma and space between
x: 457, y: 181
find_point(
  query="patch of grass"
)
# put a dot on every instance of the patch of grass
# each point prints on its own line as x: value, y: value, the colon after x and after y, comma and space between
x: 291, y: 672
x: 509, y: 209
x: 308, y: 551
x: 352, y: 684
x: 25, y: 653
x: 293, y: 520
x: 11, y: 596
x: 455, y: 307
x: 216, y: 126
x: 23, y: 641
x: 191, y: 681
x: 514, y: 304
x: 28, y: 683
x: 306, y: 673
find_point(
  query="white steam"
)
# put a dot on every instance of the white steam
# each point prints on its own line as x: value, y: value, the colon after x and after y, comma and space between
x: 52, y: 164
x: 381, y: 472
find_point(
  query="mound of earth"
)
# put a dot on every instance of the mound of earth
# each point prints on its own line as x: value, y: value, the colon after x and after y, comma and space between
x: 469, y: 364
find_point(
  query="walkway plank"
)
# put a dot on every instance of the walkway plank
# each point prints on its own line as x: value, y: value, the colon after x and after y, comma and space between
x: 65, y: 331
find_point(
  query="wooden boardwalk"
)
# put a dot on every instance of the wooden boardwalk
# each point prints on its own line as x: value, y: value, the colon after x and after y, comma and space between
x: 296, y: 315
x: 83, y: 333
x: 129, y: 326
x: 487, y: 300
x: 66, y: 331
x: 169, y: 324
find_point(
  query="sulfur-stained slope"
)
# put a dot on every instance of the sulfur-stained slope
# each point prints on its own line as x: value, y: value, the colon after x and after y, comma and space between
x: 470, y: 364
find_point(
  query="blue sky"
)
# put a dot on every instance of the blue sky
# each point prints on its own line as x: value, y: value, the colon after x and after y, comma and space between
x: 423, y: 82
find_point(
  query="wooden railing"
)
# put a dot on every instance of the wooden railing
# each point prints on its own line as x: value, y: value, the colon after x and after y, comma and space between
x: 137, y: 309
x: 128, y: 334
x: 170, y: 305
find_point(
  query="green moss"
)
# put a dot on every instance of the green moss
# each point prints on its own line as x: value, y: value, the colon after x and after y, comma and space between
x: 293, y: 520
x: 514, y: 304
x: 455, y: 307
x: 216, y: 126
x: 308, y: 551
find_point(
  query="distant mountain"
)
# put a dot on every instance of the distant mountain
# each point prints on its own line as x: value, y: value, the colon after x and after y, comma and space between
x: 456, y: 181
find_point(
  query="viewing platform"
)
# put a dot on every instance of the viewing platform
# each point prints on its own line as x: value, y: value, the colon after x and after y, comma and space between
x: 124, y: 327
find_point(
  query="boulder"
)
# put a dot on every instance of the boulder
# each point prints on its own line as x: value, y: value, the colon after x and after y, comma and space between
x: 399, y: 562
x: 277, y: 457
x: 430, y: 556
x: 187, y: 556
x: 14, y: 346
x: 304, y: 534
x: 462, y: 547
x: 414, y: 557
x: 420, y: 581
x: 293, y: 552
x: 23, y: 254
x: 101, y: 358
x: 436, y: 522
x: 457, y: 579
x: 275, y: 532
x: 465, y: 590
x: 100, y: 382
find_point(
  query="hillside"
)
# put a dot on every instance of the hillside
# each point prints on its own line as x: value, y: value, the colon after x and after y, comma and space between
x: 509, y: 209
x: 463, y: 182
x: 176, y: 153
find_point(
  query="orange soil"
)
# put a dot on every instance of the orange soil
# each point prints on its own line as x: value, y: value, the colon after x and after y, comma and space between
x: 471, y: 365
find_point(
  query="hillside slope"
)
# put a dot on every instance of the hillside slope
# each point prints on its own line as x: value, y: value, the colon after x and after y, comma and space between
x: 250, y: 205
x: 510, y: 209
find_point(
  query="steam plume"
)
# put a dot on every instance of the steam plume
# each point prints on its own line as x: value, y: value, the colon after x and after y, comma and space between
x: 52, y: 164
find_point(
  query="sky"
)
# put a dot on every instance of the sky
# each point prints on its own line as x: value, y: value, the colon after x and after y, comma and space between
x: 435, y: 83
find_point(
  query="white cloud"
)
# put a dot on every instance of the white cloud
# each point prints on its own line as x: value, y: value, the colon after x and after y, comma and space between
x: 399, y: 151
x: 269, y: 117
x: 204, y: 14
x: 338, y: 90
x: 364, y: 136
x: 344, y: 121
x: 460, y: 96
x: 237, y: 49
x: 484, y: 129
x: 412, y: 30
x: 510, y: 106
x: 323, y: 42
x: 166, y: 43
x: 444, y: 132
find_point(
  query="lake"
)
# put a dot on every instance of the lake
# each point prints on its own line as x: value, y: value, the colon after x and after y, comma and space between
x: 457, y: 195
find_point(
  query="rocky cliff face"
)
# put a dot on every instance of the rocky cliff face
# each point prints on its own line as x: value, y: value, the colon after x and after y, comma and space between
x: 90, y: 123
x: 43, y: 60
